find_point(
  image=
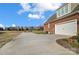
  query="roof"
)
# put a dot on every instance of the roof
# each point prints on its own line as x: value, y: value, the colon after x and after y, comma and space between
x: 51, y: 18
x: 62, y: 5
x: 75, y: 10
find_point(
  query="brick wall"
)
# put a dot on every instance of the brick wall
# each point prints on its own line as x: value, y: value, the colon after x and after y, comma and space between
x: 52, y: 23
x: 46, y: 27
x: 52, y: 28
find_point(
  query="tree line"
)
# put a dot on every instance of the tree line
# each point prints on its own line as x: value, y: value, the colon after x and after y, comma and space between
x: 20, y: 28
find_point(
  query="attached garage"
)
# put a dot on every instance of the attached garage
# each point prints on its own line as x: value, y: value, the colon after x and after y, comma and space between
x: 66, y: 28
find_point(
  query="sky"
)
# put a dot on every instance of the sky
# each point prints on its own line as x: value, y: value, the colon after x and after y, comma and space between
x: 26, y: 14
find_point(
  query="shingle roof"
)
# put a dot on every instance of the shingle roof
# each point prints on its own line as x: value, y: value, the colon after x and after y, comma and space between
x: 51, y: 18
x: 76, y: 9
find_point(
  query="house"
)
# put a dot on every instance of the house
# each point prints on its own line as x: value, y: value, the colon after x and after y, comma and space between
x: 65, y: 21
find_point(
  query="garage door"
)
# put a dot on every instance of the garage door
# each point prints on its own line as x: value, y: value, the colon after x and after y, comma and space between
x: 66, y: 28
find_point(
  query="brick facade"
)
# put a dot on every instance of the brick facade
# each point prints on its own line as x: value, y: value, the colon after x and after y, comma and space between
x: 68, y: 18
x: 46, y: 27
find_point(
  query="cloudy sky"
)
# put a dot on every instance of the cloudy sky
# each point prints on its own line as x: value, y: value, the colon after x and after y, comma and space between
x: 26, y: 14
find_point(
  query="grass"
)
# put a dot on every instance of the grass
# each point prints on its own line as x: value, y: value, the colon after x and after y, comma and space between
x: 7, y: 36
x: 74, y: 45
x: 39, y: 32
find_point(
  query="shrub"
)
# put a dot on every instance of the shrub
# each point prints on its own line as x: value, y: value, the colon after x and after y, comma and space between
x: 78, y: 39
x: 65, y: 39
x: 73, y: 37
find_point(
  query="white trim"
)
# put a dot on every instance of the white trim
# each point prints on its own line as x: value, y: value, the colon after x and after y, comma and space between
x: 67, y: 21
x: 69, y: 7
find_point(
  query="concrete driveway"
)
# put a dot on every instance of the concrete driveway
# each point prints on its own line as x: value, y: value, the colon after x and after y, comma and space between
x: 35, y: 44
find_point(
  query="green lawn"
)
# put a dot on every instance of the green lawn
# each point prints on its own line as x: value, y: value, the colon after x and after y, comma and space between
x: 39, y: 32
x: 74, y: 45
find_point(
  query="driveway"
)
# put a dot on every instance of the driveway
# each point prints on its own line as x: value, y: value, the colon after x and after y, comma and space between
x: 35, y: 44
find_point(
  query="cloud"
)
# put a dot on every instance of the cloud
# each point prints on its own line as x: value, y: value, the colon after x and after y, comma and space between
x: 37, y: 10
x: 2, y: 26
x: 48, y: 6
x: 25, y: 7
x: 13, y: 25
x: 35, y: 16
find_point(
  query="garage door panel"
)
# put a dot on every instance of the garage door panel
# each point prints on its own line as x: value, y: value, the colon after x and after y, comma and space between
x: 68, y: 28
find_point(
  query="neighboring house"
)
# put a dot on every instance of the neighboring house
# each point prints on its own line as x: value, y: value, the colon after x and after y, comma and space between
x: 65, y: 21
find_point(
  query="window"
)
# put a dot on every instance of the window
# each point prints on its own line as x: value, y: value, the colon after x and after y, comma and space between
x: 58, y: 13
x: 62, y: 11
x: 69, y: 8
x: 66, y: 9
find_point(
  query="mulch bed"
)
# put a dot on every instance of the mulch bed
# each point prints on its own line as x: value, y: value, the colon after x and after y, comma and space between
x: 65, y: 44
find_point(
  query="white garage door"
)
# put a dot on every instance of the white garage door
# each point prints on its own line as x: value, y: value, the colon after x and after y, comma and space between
x: 66, y: 28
